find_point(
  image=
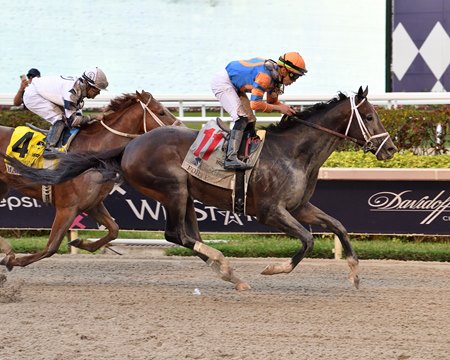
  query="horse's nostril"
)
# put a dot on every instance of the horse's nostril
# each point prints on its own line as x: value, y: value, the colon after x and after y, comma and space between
x: 392, y: 149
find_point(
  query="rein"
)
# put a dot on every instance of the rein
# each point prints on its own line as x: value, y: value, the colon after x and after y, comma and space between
x: 329, y: 131
x: 145, y: 108
x: 367, y: 145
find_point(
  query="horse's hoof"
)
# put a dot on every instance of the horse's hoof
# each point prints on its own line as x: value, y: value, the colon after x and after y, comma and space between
x: 268, y: 270
x: 242, y: 286
x: 5, y: 262
x: 354, y: 281
x: 75, y: 243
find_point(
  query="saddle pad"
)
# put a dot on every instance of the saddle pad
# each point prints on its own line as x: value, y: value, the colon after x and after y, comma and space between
x: 27, y: 146
x: 206, y: 157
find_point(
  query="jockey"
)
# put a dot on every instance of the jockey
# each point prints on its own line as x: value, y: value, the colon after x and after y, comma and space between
x: 59, y: 99
x: 257, y: 76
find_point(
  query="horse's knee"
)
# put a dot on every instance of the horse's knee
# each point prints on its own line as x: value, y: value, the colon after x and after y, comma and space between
x: 114, y: 232
x: 51, y: 251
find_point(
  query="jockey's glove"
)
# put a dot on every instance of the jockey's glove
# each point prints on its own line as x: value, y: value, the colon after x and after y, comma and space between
x: 82, y: 120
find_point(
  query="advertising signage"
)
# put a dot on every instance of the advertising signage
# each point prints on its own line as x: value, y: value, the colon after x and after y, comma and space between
x: 372, y: 207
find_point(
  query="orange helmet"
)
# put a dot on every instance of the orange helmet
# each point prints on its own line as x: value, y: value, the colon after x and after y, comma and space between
x: 293, y: 62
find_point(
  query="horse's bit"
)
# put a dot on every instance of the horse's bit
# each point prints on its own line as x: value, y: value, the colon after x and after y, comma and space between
x: 145, y: 108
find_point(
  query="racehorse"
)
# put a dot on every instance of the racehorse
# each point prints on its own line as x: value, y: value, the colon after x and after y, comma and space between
x: 130, y: 115
x: 280, y: 187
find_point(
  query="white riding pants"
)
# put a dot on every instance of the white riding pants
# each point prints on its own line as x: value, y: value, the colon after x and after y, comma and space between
x: 41, y: 106
x: 226, y: 93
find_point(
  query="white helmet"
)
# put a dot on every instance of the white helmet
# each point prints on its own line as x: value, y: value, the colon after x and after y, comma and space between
x: 96, y: 78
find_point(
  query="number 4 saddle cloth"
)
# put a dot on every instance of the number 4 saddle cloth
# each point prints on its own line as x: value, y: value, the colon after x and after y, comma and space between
x: 27, y: 145
x: 206, y: 156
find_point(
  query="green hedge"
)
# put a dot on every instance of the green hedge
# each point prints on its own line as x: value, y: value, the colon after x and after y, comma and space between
x: 415, y: 128
x: 16, y: 118
x: 405, y: 159
x: 412, y: 128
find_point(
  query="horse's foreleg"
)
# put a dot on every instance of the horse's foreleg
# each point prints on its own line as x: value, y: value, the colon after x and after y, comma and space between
x: 103, y: 217
x: 182, y: 229
x: 9, y: 255
x: 312, y: 215
x: 283, y: 220
x: 61, y: 224
x: 5, y: 246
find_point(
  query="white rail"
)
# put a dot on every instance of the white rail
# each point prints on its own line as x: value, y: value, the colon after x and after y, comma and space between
x: 203, y: 102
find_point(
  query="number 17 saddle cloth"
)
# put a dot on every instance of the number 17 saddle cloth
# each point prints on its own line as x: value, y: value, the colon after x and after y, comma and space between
x: 206, y: 156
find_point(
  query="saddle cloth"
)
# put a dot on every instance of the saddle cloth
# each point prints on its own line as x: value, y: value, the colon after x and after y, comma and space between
x: 28, y: 144
x: 206, y: 156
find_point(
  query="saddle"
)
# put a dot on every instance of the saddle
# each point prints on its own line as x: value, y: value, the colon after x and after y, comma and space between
x: 66, y: 137
x: 206, y: 157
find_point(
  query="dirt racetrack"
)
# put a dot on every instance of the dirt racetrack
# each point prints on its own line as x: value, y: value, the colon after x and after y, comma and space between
x: 144, y: 307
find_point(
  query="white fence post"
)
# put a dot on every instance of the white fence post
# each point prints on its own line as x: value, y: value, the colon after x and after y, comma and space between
x: 337, y: 248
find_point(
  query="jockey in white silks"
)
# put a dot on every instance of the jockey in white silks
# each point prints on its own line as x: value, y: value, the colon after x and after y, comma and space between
x: 59, y: 100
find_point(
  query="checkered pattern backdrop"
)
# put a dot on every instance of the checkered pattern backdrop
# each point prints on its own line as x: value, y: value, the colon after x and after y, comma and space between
x: 421, y: 45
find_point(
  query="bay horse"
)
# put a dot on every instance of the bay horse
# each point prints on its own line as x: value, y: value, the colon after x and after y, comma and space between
x: 280, y: 186
x: 129, y: 115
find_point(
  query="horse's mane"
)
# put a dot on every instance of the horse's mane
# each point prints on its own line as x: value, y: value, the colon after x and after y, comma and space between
x: 288, y: 122
x: 121, y: 102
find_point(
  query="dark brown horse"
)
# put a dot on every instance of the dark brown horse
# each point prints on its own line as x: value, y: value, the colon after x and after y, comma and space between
x: 280, y: 186
x: 130, y: 115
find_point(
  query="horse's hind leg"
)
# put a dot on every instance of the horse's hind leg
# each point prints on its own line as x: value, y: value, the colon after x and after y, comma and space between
x: 312, y: 215
x: 103, y: 217
x: 182, y: 229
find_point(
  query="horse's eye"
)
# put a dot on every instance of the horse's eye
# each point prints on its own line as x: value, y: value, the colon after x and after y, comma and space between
x: 369, y: 117
x: 162, y: 113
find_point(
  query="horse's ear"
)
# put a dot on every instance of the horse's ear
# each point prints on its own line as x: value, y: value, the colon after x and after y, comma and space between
x: 138, y: 96
x: 362, y: 94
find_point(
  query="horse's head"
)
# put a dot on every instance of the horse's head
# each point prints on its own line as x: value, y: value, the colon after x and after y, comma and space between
x: 155, y: 114
x: 365, y: 126
x: 133, y: 114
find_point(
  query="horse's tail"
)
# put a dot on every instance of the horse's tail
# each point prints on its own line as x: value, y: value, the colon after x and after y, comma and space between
x: 72, y: 165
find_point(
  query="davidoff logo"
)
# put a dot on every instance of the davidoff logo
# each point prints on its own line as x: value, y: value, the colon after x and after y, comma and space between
x: 389, y: 201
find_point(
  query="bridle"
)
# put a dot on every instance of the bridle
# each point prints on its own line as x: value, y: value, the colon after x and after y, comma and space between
x: 366, y: 145
x: 146, y: 109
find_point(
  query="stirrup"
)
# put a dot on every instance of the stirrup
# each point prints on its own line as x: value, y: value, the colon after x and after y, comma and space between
x: 50, y: 153
x: 236, y: 164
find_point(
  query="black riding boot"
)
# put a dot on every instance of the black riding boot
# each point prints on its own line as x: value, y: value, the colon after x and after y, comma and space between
x: 231, y: 161
x: 251, y: 128
x: 53, y: 136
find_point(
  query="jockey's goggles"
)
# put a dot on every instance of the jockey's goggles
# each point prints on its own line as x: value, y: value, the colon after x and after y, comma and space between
x: 294, y: 76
